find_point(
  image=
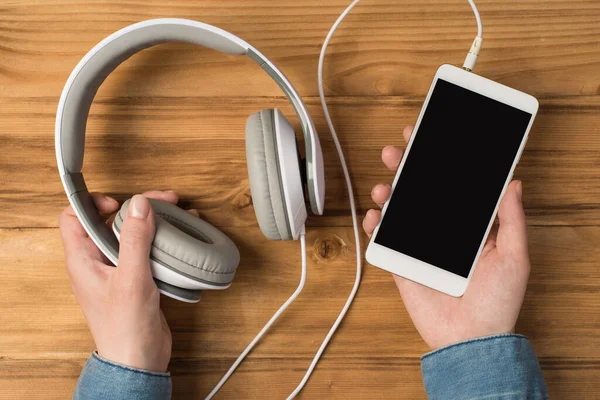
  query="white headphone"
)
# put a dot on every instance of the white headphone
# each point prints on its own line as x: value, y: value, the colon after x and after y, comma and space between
x: 189, y: 255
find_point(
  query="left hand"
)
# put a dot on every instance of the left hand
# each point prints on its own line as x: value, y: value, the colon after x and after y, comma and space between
x: 121, y: 305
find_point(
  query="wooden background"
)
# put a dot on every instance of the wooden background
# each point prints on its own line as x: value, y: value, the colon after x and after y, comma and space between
x: 173, y: 117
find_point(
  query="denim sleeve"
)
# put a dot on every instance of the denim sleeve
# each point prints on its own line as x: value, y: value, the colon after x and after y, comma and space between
x: 494, y: 367
x: 103, y: 379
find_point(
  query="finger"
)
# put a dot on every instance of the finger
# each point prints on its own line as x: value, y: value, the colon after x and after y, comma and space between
x: 407, y: 132
x: 110, y: 220
x: 512, y: 232
x: 194, y: 212
x: 73, y: 235
x: 80, y: 251
x: 490, y: 244
x: 69, y: 224
x: 105, y: 204
x: 380, y: 193
x: 391, y: 157
x: 370, y: 221
x: 135, y: 240
x: 167, y: 195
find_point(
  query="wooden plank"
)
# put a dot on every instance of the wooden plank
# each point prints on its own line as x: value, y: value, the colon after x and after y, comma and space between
x: 40, y: 319
x: 196, y: 146
x: 384, y: 47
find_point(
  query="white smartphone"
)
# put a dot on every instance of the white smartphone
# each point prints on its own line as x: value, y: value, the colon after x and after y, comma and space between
x: 461, y: 157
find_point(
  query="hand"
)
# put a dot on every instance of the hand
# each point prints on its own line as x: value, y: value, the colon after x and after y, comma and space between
x: 121, y: 305
x: 495, y: 293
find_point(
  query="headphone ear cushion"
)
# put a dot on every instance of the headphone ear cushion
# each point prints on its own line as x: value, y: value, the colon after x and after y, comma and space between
x: 265, y: 176
x: 188, y: 245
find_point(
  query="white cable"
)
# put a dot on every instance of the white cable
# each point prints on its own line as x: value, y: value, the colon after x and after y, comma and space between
x: 473, y: 53
x: 271, y: 321
x: 477, y: 18
x: 342, y: 314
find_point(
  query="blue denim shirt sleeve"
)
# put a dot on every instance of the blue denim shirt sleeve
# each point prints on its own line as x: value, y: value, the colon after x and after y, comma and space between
x: 494, y: 367
x: 103, y: 379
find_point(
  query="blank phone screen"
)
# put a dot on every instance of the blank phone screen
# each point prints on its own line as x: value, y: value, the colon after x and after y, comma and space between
x: 452, y: 179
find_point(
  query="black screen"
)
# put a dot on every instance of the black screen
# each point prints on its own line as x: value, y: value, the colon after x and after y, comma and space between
x: 452, y: 178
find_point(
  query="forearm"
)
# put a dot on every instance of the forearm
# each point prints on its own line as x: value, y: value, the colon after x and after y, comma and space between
x: 102, y: 379
x: 501, y: 366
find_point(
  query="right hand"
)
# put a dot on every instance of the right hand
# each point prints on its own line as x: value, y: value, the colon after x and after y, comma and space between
x: 495, y: 293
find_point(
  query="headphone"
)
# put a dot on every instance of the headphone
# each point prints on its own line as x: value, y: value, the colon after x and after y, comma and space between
x: 189, y: 255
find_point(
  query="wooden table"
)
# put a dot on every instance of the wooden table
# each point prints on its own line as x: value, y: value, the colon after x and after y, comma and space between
x: 173, y: 117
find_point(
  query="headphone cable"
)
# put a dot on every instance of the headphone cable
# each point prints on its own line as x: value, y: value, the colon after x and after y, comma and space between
x: 274, y: 318
x: 473, y: 53
x: 340, y: 152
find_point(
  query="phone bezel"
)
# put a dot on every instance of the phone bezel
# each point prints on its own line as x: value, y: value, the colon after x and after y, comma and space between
x: 422, y: 272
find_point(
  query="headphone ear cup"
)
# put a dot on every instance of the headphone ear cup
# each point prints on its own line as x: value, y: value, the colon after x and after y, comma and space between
x: 265, y: 176
x: 188, y: 246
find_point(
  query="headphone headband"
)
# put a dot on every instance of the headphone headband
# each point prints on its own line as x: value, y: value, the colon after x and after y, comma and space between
x: 98, y: 63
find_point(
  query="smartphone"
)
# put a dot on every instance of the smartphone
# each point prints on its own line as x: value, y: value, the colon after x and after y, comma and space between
x: 461, y: 157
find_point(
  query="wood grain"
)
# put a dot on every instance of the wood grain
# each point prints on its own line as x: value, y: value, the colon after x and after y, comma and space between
x: 135, y: 145
x: 173, y: 117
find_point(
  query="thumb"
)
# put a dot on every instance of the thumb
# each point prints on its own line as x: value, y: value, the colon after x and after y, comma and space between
x: 512, y: 232
x: 136, y: 238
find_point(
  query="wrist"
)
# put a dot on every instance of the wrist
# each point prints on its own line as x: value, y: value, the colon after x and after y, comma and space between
x: 438, y: 343
x: 105, y: 360
x: 135, y: 360
x: 461, y: 342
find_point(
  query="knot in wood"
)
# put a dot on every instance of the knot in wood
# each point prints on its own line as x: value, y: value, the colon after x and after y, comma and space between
x: 242, y: 200
x: 328, y: 248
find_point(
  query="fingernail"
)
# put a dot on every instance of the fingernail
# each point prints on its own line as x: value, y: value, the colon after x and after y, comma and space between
x: 370, y: 213
x: 520, y: 190
x: 139, y: 207
x: 110, y: 199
